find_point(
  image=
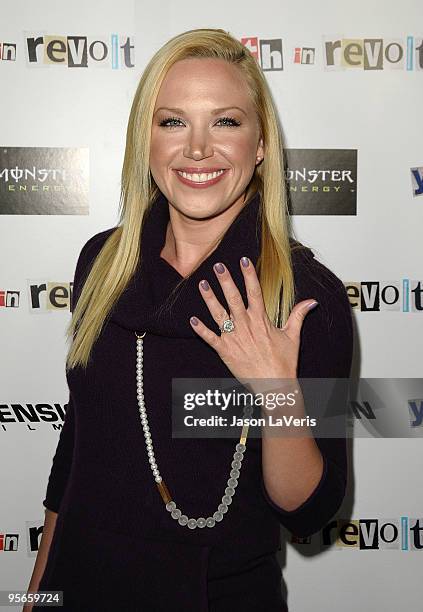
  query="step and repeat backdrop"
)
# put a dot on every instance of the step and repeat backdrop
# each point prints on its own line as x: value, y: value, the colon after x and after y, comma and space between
x: 347, y: 80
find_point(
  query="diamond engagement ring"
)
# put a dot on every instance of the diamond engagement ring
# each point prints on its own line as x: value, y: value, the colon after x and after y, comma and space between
x: 227, y: 326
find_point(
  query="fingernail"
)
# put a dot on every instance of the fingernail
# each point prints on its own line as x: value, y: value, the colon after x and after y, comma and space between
x: 312, y: 305
x: 205, y: 285
x: 219, y: 267
x: 245, y: 261
x: 194, y: 320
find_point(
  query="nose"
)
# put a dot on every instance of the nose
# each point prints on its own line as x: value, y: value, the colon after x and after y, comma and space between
x: 198, y: 145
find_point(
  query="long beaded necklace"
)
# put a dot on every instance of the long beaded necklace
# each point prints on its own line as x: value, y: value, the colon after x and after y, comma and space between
x: 171, y: 507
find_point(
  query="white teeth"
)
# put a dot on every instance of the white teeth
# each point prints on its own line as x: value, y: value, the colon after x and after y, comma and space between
x: 200, y: 178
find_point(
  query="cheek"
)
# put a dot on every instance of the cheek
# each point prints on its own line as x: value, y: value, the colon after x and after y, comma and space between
x: 162, y: 148
x: 240, y: 149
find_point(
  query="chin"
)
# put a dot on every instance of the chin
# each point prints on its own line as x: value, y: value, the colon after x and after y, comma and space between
x: 201, y: 208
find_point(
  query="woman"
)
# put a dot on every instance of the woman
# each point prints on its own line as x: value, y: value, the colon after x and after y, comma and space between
x: 155, y: 524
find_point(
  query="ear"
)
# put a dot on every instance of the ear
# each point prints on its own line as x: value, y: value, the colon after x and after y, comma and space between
x: 260, y: 149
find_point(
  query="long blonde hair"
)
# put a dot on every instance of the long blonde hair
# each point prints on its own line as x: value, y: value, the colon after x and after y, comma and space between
x: 116, y: 262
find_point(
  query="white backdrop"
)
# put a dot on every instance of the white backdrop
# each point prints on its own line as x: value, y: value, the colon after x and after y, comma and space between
x: 373, y: 111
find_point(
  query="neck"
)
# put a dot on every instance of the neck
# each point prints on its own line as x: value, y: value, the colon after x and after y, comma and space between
x: 189, y: 240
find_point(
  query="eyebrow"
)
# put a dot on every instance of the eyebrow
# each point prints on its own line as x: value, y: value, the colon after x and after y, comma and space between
x: 214, y: 112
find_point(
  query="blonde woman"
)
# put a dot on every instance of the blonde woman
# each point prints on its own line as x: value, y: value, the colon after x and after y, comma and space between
x: 201, y: 278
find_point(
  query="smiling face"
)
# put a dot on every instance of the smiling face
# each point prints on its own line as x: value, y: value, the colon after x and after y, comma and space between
x: 205, y: 137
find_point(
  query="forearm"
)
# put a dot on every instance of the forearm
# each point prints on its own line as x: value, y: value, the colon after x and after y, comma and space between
x: 41, y: 559
x: 291, y: 460
x: 292, y: 468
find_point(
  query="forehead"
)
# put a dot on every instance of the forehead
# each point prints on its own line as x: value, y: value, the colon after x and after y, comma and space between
x: 214, y: 79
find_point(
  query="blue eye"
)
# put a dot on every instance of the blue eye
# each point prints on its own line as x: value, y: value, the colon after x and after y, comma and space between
x: 175, y: 122
x: 232, y: 122
x: 165, y: 122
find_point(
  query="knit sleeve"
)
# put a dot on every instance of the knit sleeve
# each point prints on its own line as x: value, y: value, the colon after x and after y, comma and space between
x: 325, y: 352
x: 62, y: 459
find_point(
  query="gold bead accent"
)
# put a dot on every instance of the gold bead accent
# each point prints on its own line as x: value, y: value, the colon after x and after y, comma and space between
x: 244, y: 434
x: 164, y: 492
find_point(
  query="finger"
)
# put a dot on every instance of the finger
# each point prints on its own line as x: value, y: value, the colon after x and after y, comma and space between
x: 217, y: 311
x: 230, y: 291
x: 204, y: 332
x: 252, y: 285
x: 296, y: 318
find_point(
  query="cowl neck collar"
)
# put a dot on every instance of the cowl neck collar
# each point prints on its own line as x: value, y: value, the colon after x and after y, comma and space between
x: 154, y: 303
x: 149, y: 302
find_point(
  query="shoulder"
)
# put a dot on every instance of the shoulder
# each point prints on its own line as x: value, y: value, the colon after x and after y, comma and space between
x: 91, y: 249
x: 327, y: 331
x: 313, y: 279
x: 93, y: 245
x: 87, y: 255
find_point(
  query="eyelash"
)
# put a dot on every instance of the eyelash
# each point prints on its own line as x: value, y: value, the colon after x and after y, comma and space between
x: 235, y: 122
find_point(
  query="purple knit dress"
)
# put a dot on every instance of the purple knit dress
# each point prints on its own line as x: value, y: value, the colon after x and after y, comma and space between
x: 115, y: 547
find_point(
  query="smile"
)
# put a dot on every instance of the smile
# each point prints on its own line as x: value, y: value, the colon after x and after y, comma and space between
x: 200, y: 180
